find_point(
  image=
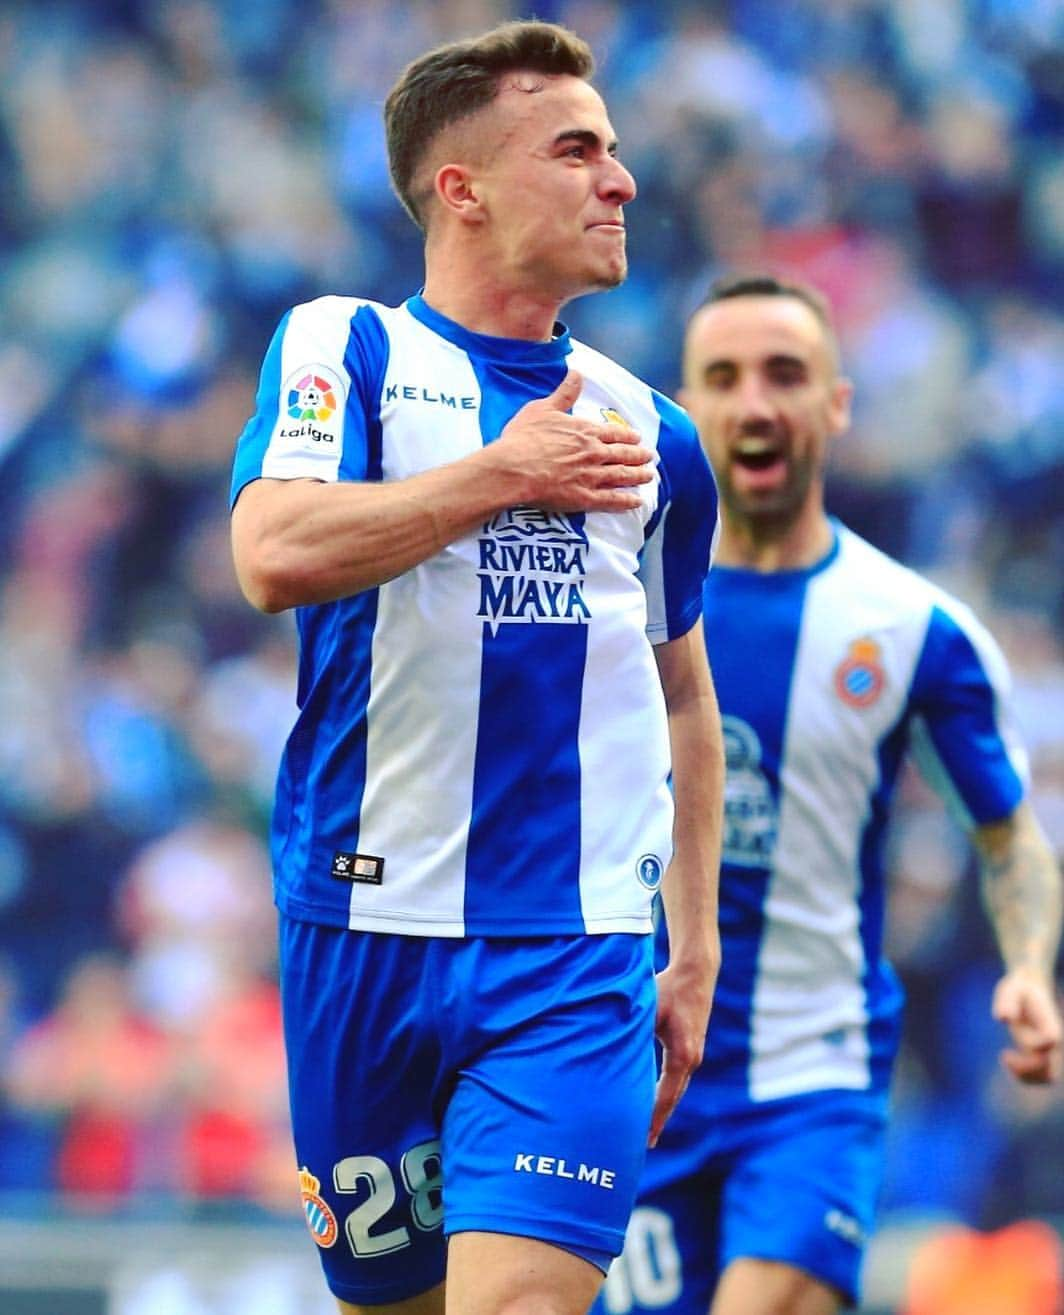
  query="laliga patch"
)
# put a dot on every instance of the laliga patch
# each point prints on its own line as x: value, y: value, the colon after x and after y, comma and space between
x: 320, y: 1219
x: 368, y: 869
x: 859, y: 677
x: 312, y: 408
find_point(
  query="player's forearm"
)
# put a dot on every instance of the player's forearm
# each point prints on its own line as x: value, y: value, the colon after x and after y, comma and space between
x: 298, y: 542
x: 1021, y: 885
x: 689, y: 888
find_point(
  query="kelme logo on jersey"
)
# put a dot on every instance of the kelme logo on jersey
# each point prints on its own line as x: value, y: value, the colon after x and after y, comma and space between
x: 320, y: 1219
x: 751, y: 818
x: 859, y: 677
x: 649, y: 870
x: 532, y: 567
x: 312, y: 400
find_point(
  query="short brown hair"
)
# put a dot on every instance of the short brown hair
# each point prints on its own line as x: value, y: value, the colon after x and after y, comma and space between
x: 453, y: 81
x: 768, y: 285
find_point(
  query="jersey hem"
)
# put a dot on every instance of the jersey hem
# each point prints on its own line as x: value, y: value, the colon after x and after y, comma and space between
x: 401, y: 924
x: 800, y: 1085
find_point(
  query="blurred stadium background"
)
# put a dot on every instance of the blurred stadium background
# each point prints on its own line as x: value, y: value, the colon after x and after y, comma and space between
x: 175, y: 175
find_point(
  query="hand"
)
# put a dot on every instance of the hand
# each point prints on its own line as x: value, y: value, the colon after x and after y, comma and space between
x: 569, y: 464
x: 685, y: 995
x: 1024, y: 1002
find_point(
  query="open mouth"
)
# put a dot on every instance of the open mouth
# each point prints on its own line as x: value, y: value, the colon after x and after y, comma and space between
x: 757, y: 455
x: 756, y: 460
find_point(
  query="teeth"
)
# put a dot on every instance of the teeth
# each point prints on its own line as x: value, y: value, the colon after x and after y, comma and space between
x: 754, y: 447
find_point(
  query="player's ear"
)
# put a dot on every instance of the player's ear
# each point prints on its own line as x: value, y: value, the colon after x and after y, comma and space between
x: 841, y: 398
x: 456, y: 192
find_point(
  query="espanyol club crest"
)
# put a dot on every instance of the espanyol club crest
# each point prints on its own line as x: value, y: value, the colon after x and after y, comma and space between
x: 613, y: 417
x: 649, y: 870
x: 859, y: 677
x: 320, y: 1219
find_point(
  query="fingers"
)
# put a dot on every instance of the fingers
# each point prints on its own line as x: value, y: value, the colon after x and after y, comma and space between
x: 621, y: 444
x: 565, y: 395
x: 1029, y: 1011
x: 671, y: 1085
x: 1033, y: 1066
x: 615, y: 475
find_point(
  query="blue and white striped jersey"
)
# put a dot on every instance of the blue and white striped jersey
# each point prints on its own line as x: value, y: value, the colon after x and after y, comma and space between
x: 826, y: 677
x: 481, y: 746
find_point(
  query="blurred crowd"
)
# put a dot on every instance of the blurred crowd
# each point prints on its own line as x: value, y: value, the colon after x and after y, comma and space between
x: 177, y: 173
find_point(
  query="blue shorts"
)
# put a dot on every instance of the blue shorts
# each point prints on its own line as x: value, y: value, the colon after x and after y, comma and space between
x: 440, y: 1086
x: 793, y: 1180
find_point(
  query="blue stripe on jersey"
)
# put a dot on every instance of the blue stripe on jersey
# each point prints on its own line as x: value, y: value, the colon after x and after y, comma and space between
x: 883, y: 992
x: 950, y: 679
x: 534, y: 721
x: 366, y: 362
x: 531, y: 685
x: 690, y: 491
x: 253, y: 441
x: 336, y: 639
x: 754, y: 685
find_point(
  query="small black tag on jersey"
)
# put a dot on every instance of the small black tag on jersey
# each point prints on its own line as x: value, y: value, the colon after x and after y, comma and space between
x: 365, y: 868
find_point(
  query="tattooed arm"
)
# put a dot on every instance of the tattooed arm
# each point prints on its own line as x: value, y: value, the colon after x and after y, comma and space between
x: 1022, y: 889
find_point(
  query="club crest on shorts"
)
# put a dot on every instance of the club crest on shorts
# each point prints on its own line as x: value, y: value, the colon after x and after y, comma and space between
x: 859, y: 677
x: 320, y: 1219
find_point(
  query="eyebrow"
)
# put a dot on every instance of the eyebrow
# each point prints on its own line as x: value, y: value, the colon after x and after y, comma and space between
x: 777, y: 358
x: 586, y: 138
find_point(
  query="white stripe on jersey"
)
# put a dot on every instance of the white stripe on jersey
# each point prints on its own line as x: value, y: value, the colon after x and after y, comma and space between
x: 812, y: 959
x: 425, y: 701
x: 311, y: 449
x: 622, y: 820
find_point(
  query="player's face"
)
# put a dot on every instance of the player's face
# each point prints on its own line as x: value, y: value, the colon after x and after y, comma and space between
x: 552, y: 188
x: 760, y: 383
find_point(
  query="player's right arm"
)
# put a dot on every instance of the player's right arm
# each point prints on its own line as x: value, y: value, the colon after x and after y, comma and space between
x: 1022, y: 890
x: 300, y: 541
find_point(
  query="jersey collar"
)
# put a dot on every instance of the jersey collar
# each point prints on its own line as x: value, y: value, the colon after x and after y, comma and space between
x: 789, y: 575
x: 485, y: 346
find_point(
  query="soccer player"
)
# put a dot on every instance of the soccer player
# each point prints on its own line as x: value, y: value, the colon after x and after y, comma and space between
x: 830, y: 662
x: 490, y: 532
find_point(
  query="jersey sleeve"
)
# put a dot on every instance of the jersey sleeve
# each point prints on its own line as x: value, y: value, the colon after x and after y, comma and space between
x: 679, y: 537
x: 317, y: 410
x: 964, y: 738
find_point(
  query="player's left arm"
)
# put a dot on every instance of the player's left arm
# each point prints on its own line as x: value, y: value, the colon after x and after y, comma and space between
x: 689, y: 887
x: 1021, y: 885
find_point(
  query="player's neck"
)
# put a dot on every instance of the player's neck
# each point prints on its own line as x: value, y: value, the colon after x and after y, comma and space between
x: 476, y: 301
x: 762, y: 545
